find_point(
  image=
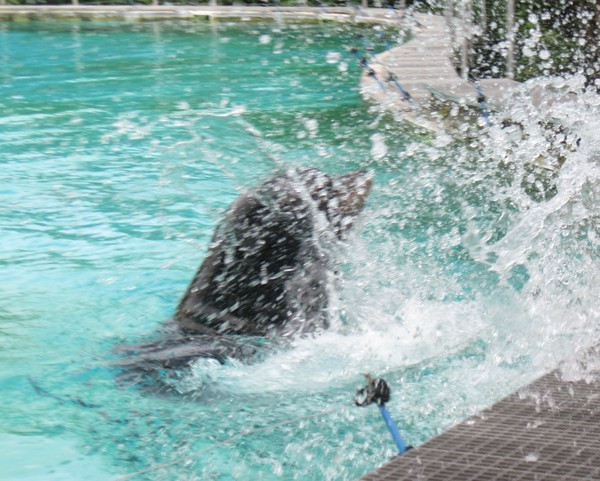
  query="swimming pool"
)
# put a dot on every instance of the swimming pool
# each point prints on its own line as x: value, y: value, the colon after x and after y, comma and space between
x: 121, y: 147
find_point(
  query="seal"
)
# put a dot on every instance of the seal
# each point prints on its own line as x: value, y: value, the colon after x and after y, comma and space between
x: 264, y: 277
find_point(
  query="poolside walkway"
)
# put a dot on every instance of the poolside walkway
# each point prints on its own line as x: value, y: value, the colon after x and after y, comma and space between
x: 547, y: 431
x: 423, y: 68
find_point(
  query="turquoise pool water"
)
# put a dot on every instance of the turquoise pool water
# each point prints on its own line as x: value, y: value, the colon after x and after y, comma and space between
x: 121, y: 145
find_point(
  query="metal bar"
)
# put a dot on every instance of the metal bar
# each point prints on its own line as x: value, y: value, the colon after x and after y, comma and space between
x: 510, y: 32
x: 483, y: 19
x: 449, y: 14
x: 466, y: 33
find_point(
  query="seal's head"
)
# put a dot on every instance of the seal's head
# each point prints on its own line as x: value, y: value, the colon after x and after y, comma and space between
x: 341, y: 198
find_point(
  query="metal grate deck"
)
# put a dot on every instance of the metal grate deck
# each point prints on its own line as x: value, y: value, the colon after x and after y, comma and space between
x: 548, y: 430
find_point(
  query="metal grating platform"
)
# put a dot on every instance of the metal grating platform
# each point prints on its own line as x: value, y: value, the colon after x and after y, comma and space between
x: 548, y: 430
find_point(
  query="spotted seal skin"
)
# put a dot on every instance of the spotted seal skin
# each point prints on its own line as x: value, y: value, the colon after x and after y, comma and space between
x: 265, y: 274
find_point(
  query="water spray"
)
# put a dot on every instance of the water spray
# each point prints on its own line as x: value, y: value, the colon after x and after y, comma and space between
x: 377, y: 391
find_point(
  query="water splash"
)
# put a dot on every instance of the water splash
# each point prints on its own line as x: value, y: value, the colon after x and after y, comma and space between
x: 467, y: 261
x: 473, y: 270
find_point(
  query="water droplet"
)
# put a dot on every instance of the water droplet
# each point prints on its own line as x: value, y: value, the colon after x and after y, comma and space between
x: 333, y: 57
x: 378, y: 150
x: 531, y: 458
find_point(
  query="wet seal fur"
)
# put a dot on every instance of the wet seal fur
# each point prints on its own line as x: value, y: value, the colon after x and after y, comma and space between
x: 265, y: 275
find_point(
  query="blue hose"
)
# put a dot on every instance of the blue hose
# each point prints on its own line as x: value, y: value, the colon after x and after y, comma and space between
x: 364, y: 64
x: 400, y: 444
x: 483, y: 104
x: 392, y: 78
x: 383, y: 39
x: 366, y: 43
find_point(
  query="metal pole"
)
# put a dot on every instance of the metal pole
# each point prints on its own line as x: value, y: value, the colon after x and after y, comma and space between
x: 466, y: 32
x: 448, y: 15
x: 483, y: 17
x: 449, y: 12
x: 510, y: 30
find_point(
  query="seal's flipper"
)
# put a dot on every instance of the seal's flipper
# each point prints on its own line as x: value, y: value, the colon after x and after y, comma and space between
x: 181, y: 352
